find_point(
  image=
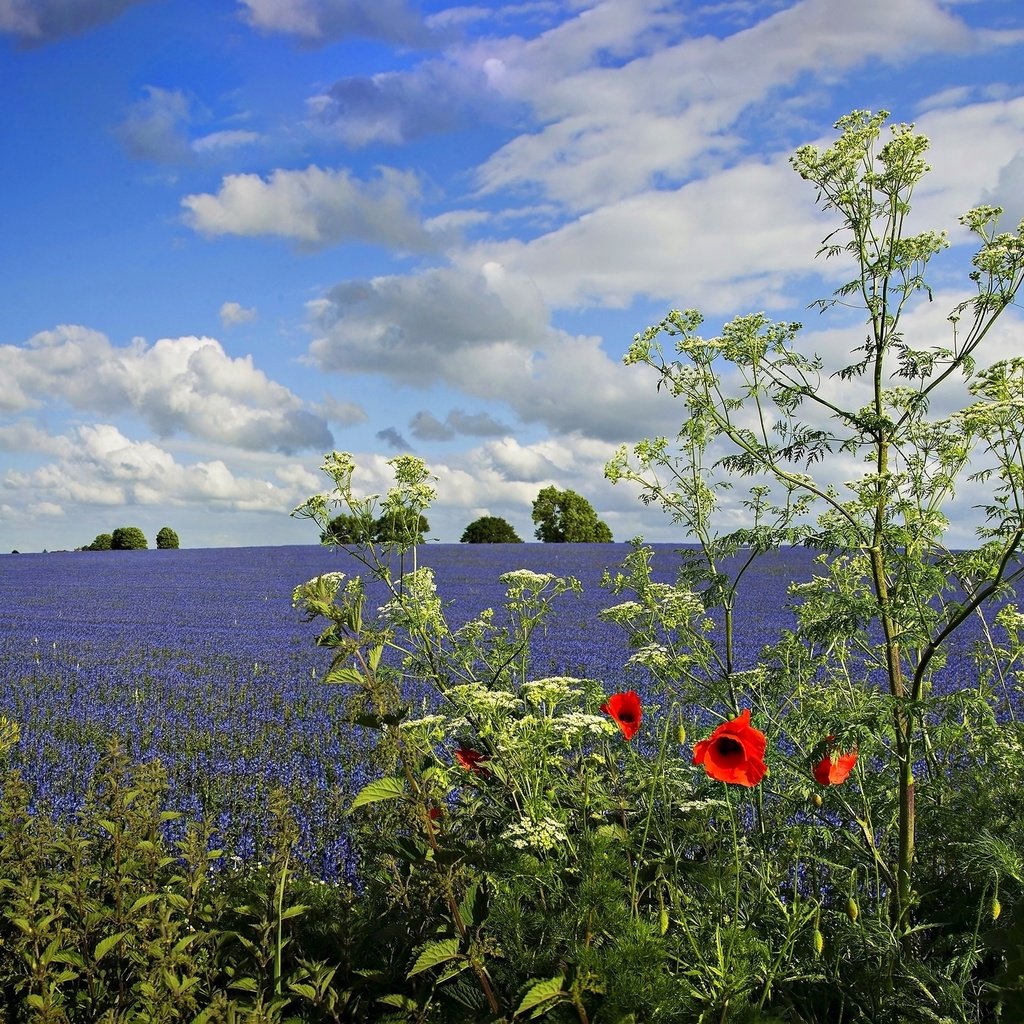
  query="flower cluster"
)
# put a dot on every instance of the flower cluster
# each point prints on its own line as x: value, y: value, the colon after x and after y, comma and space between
x: 540, y: 835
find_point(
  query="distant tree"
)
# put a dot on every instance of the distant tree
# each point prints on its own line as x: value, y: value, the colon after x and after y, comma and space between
x: 404, y: 527
x: 490, y: 530
x: 348, y: 529
x: 128, y: 538
x: 103, y: 542
x: 166, y: 538
x: 565, y: 517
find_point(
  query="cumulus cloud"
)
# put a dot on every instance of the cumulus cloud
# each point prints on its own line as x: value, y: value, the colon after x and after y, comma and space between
x: 176, y: 385
x: 320, y: 21
x: 232, y: 313
x: 314, y: 207
x: 486, y: 333
x: 1009, y: 192
x: 37, y: 22
x: 100, y: 466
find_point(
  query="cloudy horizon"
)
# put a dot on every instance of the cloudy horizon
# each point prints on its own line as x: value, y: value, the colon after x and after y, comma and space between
x: 242, y: 233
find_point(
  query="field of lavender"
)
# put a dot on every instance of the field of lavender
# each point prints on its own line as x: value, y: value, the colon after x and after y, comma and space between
x: 197, y: 658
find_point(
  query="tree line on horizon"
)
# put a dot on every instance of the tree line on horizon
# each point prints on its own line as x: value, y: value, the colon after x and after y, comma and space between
x: 561, y: 517
x: 131, y: 538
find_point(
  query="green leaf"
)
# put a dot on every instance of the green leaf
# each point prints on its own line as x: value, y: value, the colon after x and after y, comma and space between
x: 433, y: 953
x: 144, y: 901
x: 388, y: 788
x: 104, y: 946
x: 540, y: 992
x: 402, y: 1002
x: 295, y: 911
x: 344, y: 674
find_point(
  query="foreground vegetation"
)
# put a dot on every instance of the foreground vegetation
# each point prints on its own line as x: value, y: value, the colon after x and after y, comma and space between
x: 824, y: 837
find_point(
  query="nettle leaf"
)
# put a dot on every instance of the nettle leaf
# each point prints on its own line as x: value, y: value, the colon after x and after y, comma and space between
x: 104, y: 946
x: 540, y: 992
x: 431, y: 954
x: 344, y: 674
x: 388, y: 788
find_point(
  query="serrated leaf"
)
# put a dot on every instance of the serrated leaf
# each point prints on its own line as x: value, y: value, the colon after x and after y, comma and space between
x: 433, y: 953
x: 388, y: 788
x: 295, y: 911
x: 540, y: 992
x: 344, y: 674
x: 104, y: 946
x: 144, y: 901
x: 401, y: 1002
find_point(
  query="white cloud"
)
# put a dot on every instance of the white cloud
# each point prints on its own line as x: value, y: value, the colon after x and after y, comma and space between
x: 99, y: 466
x: 177, y: 384
x: 678, y: 105
x: 724, y: 242
x: 315, y: 207
x: 232, y: 313
x: 228, y: 139
x: 486, y: 333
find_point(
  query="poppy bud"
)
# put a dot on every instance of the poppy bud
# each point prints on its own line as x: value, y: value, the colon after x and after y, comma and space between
x: 663, y: 920
x: 681, y: 734
x: 819, y: 942
x: 816, y: 800
x: 997, y: 908
x: 852, y: 910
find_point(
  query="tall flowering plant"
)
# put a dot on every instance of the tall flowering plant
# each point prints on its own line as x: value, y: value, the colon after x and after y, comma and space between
x: 720, y: 834
x: 874, y: 743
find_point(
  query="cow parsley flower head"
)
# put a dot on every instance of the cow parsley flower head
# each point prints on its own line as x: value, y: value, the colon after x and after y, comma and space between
x: 539, y: 835
x: 551, y: 691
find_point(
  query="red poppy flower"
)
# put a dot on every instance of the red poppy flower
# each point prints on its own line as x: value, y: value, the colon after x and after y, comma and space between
x: 734, y: 752
x: 625, y: 709
x: 833, y: 769
x: 472, y: 760
x: 435, y: 813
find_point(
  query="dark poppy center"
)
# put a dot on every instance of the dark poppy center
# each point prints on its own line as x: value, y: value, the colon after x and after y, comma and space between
x: 729, y: 750
x: 628, y: 717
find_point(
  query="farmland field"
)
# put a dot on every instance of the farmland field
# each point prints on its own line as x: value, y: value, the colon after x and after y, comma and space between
x: 197, y: 658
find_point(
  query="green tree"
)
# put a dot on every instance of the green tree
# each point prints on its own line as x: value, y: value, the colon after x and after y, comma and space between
x: 128, y: 538
x: 402, y: 526
x: 166, y: 538
x: 349, y: 528
x: 490, y: 530
x: 565, y: 517
x: 103, y: 542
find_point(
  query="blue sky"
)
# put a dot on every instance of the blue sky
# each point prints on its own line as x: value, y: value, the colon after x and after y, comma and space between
x: 237, y: 234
